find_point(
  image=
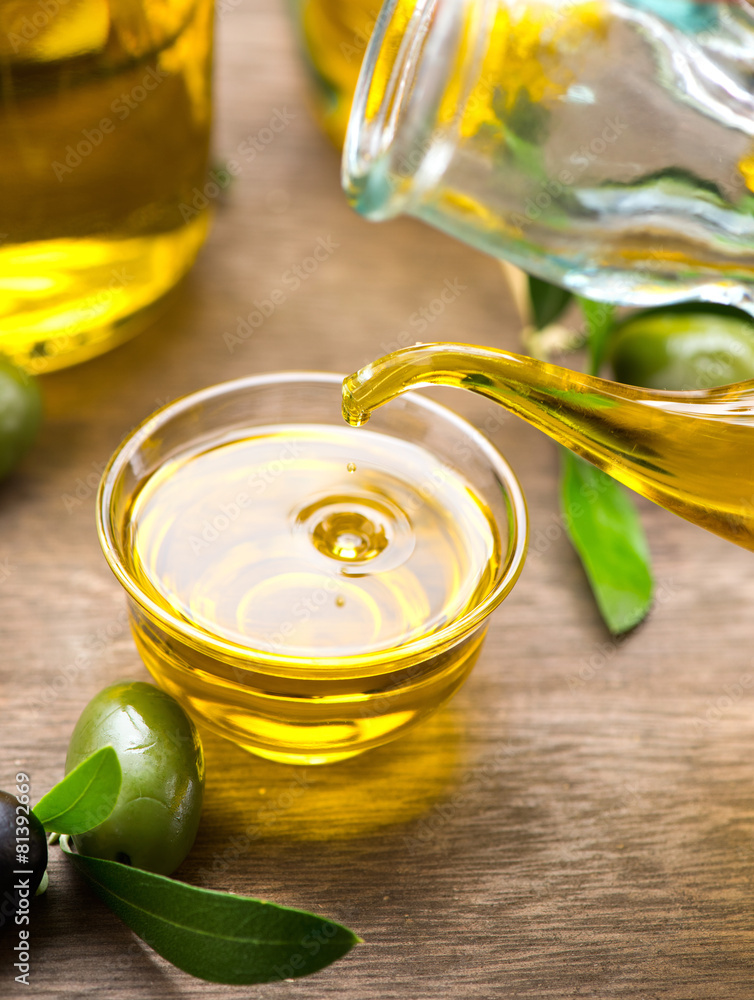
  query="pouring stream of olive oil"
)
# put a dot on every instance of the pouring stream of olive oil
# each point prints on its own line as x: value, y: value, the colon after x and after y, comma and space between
x: 690, y: 452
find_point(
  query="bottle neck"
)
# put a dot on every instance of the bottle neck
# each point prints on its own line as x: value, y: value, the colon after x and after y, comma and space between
x: 417, y: 73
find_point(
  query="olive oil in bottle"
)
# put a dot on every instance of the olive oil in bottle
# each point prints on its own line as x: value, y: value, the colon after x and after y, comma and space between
x: 104, y: 137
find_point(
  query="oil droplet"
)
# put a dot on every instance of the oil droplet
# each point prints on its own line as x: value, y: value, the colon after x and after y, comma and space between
x: 351, y: 467
x: 340, y: 601
x: 357, y: 529
x: 347, y: 536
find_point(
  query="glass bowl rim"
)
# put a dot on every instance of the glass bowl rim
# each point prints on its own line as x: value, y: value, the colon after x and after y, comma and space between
x: 282, y: 664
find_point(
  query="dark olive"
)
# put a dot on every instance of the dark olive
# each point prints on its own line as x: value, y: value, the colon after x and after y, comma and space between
x: 156, y: 817
x: 22, y: 836
x: 684, y: 348
x: 20, y: 414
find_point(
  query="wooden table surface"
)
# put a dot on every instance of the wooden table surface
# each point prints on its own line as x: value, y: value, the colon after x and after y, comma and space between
x: 579, y: 822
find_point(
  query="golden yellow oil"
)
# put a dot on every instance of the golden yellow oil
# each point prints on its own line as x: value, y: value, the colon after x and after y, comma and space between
x: 686, y: 451
x: 334, y: 36
x: 104, y: 135
x: 316, y: 548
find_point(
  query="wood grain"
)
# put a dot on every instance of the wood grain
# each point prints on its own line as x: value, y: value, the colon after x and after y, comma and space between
x: 578, y: 822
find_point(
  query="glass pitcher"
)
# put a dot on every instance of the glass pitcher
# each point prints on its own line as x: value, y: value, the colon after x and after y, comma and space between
x: 605, y: 146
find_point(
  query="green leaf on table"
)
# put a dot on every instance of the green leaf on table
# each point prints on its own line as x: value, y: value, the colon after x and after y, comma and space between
x: 548, y: 302
x: 215, y: 936
x: 604, y: 527
x: 85, y: 797
x: 600, y: 318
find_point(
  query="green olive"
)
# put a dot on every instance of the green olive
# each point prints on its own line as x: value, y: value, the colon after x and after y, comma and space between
x: 20, y: 414
x: 156, y: 817
x: 693, y: 347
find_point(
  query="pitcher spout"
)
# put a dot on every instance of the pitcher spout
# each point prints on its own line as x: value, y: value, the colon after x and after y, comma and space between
x: 690, y: 452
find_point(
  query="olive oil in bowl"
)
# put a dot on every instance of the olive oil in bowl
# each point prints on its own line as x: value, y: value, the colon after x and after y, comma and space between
x: 308, y: 589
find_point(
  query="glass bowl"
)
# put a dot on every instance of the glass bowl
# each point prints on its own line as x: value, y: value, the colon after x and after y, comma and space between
x: 388, y: 541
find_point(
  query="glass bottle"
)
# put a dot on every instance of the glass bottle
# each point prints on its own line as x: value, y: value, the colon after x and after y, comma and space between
x: 104, y: 139
x: 602, y: 145
x: 333, y: 35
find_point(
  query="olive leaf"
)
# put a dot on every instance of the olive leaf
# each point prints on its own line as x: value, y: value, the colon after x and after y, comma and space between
x: 213, y: 935
x: 85, y: 797
x: 604, y: 527
x: 548, y: 302
x: 599, y: 515
x: 600, y: 317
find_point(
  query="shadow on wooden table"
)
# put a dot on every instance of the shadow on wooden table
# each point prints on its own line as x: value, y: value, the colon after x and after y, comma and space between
x: 386, y: 789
